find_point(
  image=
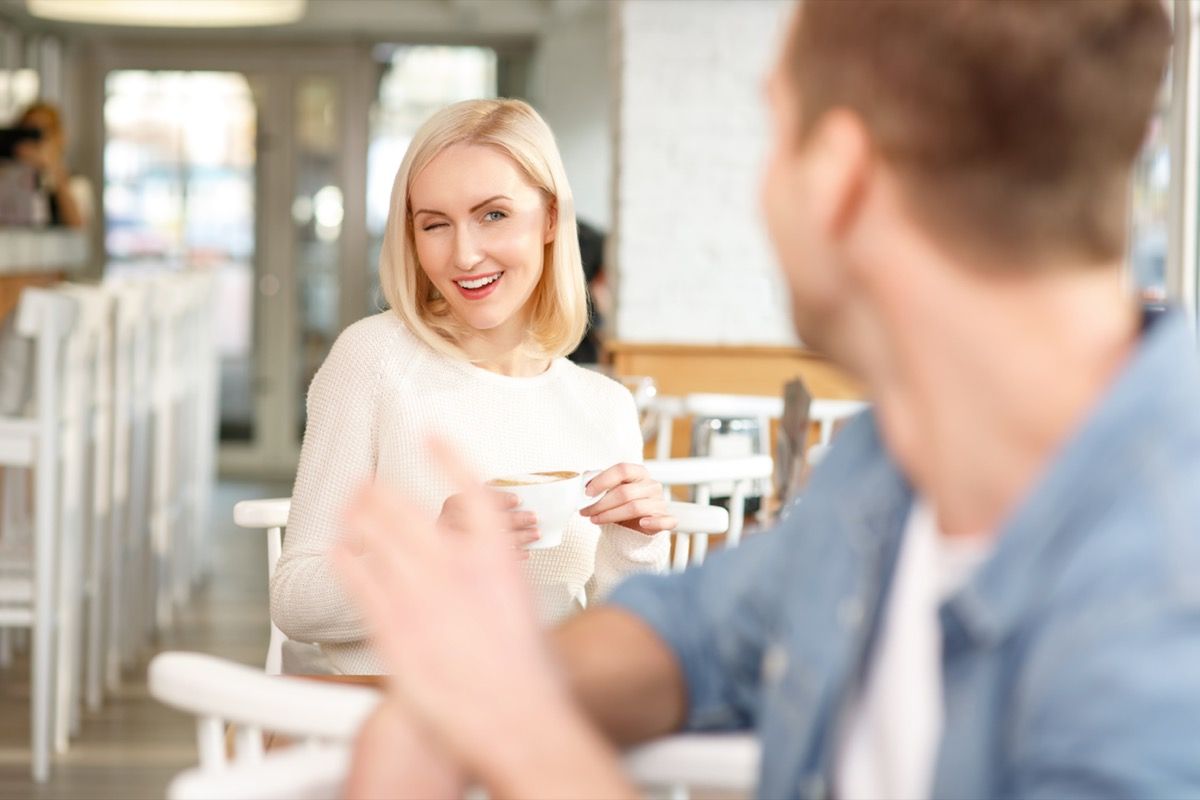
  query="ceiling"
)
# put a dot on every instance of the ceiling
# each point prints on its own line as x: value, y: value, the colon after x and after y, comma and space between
x: 341, y: 19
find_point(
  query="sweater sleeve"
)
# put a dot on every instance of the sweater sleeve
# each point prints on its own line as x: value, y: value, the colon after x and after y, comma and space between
x: 337, y: 457
x: 622, y: 552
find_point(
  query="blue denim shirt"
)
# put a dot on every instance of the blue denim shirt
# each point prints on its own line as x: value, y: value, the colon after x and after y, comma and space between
x: 1071, y: 659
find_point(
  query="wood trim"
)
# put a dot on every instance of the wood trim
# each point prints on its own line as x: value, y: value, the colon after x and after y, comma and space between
x: 685, y: 369
x: 11, y: 287
x: 716, y: 349
x: 751, y: 369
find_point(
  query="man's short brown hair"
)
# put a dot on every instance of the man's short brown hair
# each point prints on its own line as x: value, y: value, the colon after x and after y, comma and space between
x: 1012, y: 123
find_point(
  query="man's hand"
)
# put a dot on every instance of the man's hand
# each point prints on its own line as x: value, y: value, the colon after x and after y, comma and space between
x: 454, y: 622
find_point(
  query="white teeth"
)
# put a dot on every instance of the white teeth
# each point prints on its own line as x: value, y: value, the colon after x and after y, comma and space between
x: 480, y: 282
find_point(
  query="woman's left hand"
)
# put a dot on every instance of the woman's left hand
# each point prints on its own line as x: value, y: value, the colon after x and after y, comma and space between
x: 634, y: 500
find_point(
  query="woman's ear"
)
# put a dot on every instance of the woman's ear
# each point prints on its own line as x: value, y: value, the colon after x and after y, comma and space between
x: 551, y: 221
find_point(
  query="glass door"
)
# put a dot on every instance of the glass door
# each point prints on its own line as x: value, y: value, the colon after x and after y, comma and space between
x: 180, y: 188
x: 243, y: 173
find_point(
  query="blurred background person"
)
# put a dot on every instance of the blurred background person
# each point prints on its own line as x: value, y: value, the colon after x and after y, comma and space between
x: 68, y: 196
x: 591, y: 256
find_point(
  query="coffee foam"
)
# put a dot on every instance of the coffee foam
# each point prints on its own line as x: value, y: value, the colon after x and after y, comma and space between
x: 523, y: 480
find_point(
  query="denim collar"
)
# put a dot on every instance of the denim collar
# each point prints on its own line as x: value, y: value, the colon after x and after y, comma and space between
x: 1159, y: 388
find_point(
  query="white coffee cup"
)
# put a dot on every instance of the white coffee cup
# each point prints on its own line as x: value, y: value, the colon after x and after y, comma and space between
x: 554, y: 497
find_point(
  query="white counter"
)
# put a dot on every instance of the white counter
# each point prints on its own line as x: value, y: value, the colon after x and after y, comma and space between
x: 25, y: 251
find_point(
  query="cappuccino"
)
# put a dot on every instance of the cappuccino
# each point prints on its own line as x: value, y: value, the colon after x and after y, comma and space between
x: 531, y: 479
x: 553, y: 496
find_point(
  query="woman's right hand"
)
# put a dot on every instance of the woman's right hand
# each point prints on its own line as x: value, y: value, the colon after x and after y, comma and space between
x: 520, y: 525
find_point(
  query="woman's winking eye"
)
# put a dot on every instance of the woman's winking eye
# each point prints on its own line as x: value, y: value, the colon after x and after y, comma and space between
x: 494, y: 215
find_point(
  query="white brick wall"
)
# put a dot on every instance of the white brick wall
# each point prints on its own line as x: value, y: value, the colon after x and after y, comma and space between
x: 693, y: 261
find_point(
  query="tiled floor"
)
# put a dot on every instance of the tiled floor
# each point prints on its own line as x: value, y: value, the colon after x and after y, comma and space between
x: 132, y: 746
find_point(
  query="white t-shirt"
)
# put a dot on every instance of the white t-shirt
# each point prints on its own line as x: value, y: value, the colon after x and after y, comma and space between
x: 371, y: 408
x: 892, y: 739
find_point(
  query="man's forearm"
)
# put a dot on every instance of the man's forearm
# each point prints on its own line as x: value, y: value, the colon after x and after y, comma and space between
x: 622, y: 674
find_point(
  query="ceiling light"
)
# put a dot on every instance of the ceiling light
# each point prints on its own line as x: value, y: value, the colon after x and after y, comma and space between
x: 171, y: 13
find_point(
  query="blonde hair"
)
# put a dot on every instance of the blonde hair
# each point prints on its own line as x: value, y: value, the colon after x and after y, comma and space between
x: 558, y: 305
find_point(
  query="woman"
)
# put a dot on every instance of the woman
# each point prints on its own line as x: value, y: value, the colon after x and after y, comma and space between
x: 68, y: 198
x: 480, y: 265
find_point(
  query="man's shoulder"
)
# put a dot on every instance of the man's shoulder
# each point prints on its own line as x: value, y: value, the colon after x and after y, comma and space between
x: 1142, y: 541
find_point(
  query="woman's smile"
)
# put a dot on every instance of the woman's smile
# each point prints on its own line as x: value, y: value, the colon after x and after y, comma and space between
x: 478, y: 287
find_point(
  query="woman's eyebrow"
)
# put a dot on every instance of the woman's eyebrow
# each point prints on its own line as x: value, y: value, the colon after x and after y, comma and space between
x: 474, y: 208
x: 492, y: 199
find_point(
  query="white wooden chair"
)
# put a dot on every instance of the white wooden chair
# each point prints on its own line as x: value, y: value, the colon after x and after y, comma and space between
x: 701, y: 474
x: 761, y: 409
x: 271, y: 516
x: 30, y: 575
x: 828, y: 414
x: 325, y: 718
x: 660, y: 412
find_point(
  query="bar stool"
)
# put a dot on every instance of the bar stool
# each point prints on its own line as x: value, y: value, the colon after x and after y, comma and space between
x: 83, y: 590
x: 29, y: 586
x: 95, y: 330
x: 129, y: 597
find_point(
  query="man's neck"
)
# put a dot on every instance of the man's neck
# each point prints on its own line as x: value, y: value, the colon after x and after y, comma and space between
x: 990, y: 376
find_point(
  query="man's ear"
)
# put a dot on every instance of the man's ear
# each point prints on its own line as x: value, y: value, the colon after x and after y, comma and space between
x: 841, y: 163
x: 551, y: 221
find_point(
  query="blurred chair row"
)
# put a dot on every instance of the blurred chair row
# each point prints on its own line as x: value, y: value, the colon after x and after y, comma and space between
x: 107, y: 443
x: 322, y: 719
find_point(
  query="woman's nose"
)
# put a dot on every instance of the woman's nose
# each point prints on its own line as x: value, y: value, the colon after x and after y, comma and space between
x: 467, y: 252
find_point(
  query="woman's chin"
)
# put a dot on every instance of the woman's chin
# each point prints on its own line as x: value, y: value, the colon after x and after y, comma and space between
x: 482, y: 323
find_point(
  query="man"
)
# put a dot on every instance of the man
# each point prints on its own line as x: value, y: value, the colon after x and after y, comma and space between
x: 990, y: 586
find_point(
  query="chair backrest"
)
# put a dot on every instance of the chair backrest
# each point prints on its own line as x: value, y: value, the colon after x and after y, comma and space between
x: 701, y: 473
x: 218, y: 692
x: 271, y: 516
x: 327, y: 717
x: 733, y: 405
x: 660, y: 413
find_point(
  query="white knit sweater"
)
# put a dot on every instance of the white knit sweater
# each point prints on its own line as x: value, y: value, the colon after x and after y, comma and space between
x: 376, y: 399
